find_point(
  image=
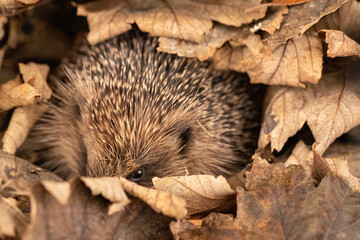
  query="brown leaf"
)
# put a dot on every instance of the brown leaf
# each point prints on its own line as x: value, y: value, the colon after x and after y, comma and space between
x: 338, y: 167
x: 217, y: 36
x: 201, y: 192
x: 12, y: 221
x: 85, y: 216
x: 345, y: 19
x: 329, y: 108
x: 214, y: 226
x: 283, y: 203
x: 185, y: 19
x: 20, y: 175
x: 295, y: 63
x: 272, y: 21
x: 339, y: 45
x: 301, y: 18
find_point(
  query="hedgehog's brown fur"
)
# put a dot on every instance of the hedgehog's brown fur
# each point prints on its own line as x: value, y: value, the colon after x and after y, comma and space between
x: 121, y: 105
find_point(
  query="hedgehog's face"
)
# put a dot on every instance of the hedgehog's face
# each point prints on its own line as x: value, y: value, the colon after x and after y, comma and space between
x: 138, y: 148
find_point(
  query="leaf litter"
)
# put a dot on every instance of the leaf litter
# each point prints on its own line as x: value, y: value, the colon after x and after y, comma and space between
x: 314, y: 194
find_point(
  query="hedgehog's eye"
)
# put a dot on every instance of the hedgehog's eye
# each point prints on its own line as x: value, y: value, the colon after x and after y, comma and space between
x: 136, y: 175
x: 184, y: 138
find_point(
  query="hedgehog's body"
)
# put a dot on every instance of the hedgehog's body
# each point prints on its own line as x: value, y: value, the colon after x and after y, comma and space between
x: 122, y: 108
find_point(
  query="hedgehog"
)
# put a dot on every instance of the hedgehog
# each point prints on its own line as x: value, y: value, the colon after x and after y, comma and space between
x: 121, y: 108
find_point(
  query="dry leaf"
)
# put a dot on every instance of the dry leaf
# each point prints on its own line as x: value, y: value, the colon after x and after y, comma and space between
x: 34, y: 87
x: 109, y: 188
x: 301, y: 18
x: 184, y: 19
x: 15, y: 93
x: 283, y: 203
x: 294, y: 63
x: 301, y: 155
x: 345, y: 19
x: 214, y: 226
x: 85, y: 216
x: 12, y: 221
x: 217, y: 36
x: 338, y: 167
x: 163, y: 202
x: 36, y: 74
x: 21, y: 121
x: 329, y: 108
x: 201, y: 192
x: 272, y: 21
x: 339, y: 45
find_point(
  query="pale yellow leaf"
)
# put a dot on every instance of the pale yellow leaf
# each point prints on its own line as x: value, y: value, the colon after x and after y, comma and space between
x: 339, y: 45
x: 201, y: 192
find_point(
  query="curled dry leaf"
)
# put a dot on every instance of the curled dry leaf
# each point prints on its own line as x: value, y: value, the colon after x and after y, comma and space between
x: 84, y: 216
x: 338, y: 167
x: 163, y: 202
x: 345, y: 19
x: 330, y: 108
x: 294, y: 63
x: 272, y: 21
x: 4, y: 35
x: 183, y: 19
x: 15, y: 93
x: 339, y: 45
x: 34, y: 88
x: 12, y: 221
x: 217, y: 36
x: 201, y: 192
x: 109, y: 188
x: 301, y: 18
x: 21, y: 121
